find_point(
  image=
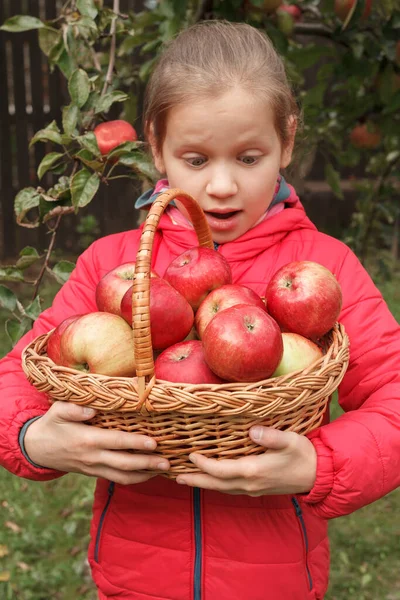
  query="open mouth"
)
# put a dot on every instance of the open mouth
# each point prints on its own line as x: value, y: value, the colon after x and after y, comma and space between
x: 223, y: 216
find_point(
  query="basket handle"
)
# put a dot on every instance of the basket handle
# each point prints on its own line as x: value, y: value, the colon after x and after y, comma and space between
x: 141, y: 279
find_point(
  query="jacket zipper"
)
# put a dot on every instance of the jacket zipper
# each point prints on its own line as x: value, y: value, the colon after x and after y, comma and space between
x: 197, y: 544
x: 299, y: 514
x: 110, y: 492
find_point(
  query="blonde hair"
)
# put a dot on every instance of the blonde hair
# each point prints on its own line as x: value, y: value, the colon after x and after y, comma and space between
x: 209, y: 59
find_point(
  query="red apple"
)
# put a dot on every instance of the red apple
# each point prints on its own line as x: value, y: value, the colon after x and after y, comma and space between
x: 171, y: 316
x: 222, y: 298
x: 99, y: 342
x: 53, y: 343
x: 298, y: 354
x: 184, y: 363
x: 291, y: 9
x: 111, y: 134
x: 243, y: 343
x: 343, y: 7
x: 366, y: 135
x: 113, y: 285
x: 196, y: 272
x: 304, y: 297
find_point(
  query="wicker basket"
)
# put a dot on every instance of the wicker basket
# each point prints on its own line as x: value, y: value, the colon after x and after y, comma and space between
x: 212, y: 419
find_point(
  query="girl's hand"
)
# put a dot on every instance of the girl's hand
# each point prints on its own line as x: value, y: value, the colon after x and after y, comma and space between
x: 60, y: 440
x: 288, y: 466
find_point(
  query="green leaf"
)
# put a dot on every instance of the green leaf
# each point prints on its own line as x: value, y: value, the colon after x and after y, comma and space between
x: 34, y: 309
x: 22, y: 23
x: 87, y: 8
x: 146, y: 68
x: 84, y: 186
x: 123, y: 148
x: 28, y: 256
x: 61, y: 190
x: 11, y: 274
x: 89, y: 142
x: 62, y: 270
x: 86, y: 158
x: 16, y: 329
x: 104, y: 102
x: 79, y: 87
x: 25, y: 200
x: 47, y: 162
x: 66, y: 63
x: 87, y: 28
x: 139, y: 163
x: 50, y: 133
x: 70, y: 116
x: 8, y: 299
x: 48, y: 39
x: 333, y: 178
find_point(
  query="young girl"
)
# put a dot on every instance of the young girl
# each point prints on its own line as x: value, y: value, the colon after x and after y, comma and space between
x: 221, y: 121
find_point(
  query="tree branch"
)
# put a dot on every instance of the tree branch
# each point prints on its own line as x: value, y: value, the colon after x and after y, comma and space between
x: 111, y: 63
x: 47, y: 257
x: 313, y: 29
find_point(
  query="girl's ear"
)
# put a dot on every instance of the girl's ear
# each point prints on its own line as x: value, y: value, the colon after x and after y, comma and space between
x: 157, y: 155
x: 287, y: 151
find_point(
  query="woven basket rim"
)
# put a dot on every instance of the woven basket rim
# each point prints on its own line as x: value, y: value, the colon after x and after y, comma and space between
x: 42, y: 339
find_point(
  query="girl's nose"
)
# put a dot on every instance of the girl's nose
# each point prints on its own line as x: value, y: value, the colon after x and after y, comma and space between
x: 222, y: 184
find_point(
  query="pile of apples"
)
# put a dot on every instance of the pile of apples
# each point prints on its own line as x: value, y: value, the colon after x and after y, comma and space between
x: 204, y: 329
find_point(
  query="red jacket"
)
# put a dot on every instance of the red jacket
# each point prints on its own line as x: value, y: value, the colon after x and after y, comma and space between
x: 159, y: 540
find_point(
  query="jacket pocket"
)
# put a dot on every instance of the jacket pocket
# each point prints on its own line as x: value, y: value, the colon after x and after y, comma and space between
x: 101, y: 521
x: 303, y: 529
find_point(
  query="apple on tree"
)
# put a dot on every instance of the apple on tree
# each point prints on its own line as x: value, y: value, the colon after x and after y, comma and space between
x: 53, y: 343
x: 343, y: 7
x: 196, y: 272
x: 304, y: 297
x: 171, y: 316
x: 99, y: 342
x: 298, y: 354
x: 291, y: 9
x: 243, y: 343
x: 113, y: 285
x: 184, y: 363
x: 111, y: 134
x: 366, y: 135
x: 221, y: 298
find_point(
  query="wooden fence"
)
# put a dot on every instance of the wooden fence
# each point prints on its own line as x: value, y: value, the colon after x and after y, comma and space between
x: 31, y: 97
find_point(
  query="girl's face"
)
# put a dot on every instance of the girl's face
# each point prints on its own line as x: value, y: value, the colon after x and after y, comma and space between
x: 226, y: 153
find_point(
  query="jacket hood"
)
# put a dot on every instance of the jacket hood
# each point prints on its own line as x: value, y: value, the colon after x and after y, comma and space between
x: 269, y: 232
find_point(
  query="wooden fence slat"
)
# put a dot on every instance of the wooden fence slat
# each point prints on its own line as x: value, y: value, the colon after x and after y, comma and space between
x: 7, y: 228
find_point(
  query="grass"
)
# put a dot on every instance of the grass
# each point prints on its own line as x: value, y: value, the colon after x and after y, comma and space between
x: 44, y: 532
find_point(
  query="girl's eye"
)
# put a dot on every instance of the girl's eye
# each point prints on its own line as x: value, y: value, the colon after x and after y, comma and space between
x: 249, y: 160
x: 196, y: 162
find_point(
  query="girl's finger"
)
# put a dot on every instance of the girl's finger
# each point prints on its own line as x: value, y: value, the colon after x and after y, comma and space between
x: 208, y: 482
x: 121, y: 440
x: 228, y: 469
x: 130, y: 461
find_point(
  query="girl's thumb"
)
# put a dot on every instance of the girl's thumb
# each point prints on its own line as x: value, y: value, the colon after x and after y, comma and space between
x: 67, y: 411
x: 270, y: 437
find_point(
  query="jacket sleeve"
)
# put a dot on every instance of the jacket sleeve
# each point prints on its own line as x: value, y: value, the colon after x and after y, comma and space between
x: 19, y: 400
x: 358, y: 454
